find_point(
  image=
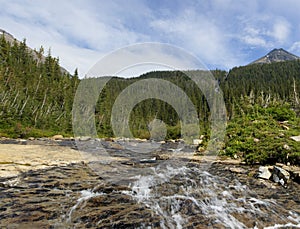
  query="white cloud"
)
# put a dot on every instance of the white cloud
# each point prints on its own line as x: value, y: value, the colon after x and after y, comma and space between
x: 295, y: 48
x: 254, y: 41
x: 281, y: 30
x: 266, y: 31
x: 140, y: 58
x: 198, y: 34
x: 218, y: 32
x: 77, y: 33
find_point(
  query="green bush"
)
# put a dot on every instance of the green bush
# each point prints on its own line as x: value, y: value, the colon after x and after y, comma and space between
x: 260, y: 137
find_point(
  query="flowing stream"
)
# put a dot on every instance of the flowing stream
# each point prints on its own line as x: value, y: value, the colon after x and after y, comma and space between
x: 150, y: 194
x: 189, y: 196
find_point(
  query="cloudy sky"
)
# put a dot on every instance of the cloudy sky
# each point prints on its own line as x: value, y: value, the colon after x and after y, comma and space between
x: 221, y: 33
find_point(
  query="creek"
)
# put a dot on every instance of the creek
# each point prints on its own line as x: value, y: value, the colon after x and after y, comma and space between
x: 147, y: 194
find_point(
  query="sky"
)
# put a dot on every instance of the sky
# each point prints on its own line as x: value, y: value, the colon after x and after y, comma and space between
x: 221, y: 33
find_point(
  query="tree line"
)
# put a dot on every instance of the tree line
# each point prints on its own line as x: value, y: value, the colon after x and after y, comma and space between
x: 36, y: 98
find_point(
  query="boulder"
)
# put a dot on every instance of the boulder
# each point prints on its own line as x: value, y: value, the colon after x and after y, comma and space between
x: 85, y: 138
x: 296, y: 138
x: 293, y: 170
x: 264, y: 172
x: 57, y: 137
x: 280, y: 175
x: 275, y: 178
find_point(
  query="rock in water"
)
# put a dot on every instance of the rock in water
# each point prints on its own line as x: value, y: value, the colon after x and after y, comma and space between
x: 264, y: 172
x: 275, y: 178
x: 85, y: 138
x: 151, y: 160
x: 280, y: 175
x: 58, y: 137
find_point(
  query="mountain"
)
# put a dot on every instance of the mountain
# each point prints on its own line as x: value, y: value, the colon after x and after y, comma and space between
x: 7, y: 36
x: 11, y: 39
x: 276, y: 55
x: 35, y: 54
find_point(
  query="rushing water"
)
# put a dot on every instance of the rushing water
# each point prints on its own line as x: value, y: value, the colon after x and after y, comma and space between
x: 179, y: 195
x: 151, y: 194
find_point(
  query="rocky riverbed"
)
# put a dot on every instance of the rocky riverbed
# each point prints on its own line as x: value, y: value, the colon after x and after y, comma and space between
x: 189, y: 193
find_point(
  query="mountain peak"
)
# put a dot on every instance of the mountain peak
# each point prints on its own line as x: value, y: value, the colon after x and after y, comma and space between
x: 276, y: 55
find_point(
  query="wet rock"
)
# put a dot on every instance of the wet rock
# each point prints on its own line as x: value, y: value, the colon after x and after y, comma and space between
x: 84, y: 138
x: 237, y: 170
x: 275, y: 178
x: 114, y: 145
x: 10, y: 182
x: 162, y: 157
x: 151, y: 160
x: 280, y: 175
x: 264, y: 172
x: 58, y: 137
x: 275, y: 173
x: 293, y: 170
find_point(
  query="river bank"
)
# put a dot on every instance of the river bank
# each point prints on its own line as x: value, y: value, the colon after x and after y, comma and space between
x: 20, y: 155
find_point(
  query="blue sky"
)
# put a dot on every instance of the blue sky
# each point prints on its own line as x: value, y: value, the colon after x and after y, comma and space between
x: 221, y: 33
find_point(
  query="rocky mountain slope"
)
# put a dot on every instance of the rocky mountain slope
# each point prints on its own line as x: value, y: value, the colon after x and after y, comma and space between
x: 7, y: 36
x: 276, y: 55
x: 11, y: 39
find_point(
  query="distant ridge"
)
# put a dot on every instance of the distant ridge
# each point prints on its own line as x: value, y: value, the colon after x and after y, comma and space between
x: 276, y: 55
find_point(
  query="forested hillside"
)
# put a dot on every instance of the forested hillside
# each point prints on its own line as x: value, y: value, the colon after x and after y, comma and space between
x: 262, y: 102
x: 262, y: 84
x: 36, y: 94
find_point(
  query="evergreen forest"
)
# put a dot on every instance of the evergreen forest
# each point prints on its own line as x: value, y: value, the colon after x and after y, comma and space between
x: 262, y: 104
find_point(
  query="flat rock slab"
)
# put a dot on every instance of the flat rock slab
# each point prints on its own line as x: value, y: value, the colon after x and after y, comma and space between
x: 15, y: 159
